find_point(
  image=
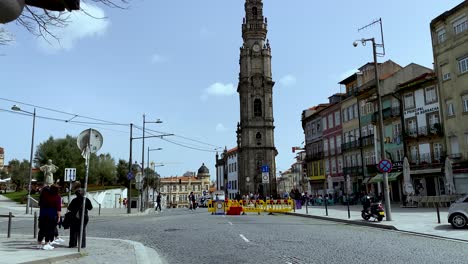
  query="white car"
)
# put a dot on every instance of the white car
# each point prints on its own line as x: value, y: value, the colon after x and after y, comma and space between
x: 458, y: 213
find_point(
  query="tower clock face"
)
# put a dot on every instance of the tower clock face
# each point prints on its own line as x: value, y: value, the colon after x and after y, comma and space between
x: 256, y: 47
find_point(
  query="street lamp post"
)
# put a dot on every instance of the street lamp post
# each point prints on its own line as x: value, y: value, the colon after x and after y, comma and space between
x: 147, y: 168
x: 143, y: 146
x: 381, y: 124
x: 17, y: 108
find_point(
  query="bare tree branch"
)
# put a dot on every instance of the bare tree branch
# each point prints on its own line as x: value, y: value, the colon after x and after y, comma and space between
x: 41, y: 22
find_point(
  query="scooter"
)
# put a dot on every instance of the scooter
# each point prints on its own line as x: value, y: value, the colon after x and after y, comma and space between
x: 375, y: 211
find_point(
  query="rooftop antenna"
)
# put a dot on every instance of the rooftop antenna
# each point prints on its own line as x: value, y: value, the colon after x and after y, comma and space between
x: 380, y: 45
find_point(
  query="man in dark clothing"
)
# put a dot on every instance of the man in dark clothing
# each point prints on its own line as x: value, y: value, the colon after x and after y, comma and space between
x: 158, y: 202
x: 192, y: 201
x: 76, y: 207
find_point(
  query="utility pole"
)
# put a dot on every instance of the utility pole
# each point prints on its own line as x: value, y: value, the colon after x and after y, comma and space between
x: 129, y: 200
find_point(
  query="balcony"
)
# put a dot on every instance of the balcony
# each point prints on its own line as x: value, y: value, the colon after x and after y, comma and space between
x: 315, y: 156
x: 424, y: 131
x: 367, y: 140
x: 351, y: 145
x: 427, y: 161
x: 389, y: 112
x: 352, y: 171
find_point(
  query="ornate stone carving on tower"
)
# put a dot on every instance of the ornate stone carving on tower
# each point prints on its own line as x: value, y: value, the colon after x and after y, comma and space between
x: 255, y: 131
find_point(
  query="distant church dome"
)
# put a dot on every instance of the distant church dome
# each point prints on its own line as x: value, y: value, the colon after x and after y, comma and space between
x: 203, y: 171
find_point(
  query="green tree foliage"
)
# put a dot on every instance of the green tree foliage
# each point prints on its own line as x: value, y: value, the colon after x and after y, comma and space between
x: 102, y: 170
x: 122, y: 171
x: 19, y: 173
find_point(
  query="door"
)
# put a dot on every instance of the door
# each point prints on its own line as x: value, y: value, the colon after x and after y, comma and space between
x: 431, y: 186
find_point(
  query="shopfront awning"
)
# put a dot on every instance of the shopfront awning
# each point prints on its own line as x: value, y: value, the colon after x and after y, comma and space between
x: 317, y: 178
x: 392, y: 176
x: 366, y: 180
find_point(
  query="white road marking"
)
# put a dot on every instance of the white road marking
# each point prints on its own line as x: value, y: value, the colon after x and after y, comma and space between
x: 230, y: 223
x: 243, y: 237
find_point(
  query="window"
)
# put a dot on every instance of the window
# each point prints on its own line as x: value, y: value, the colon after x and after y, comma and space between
x: 330, y: 121
x: 372, y: 157
x: 463, y: 65
x: 363, y: 108
x: 337, y: 118
x: 254, y: 11
x: 332, y: 146
x: 338, y: 144
x: 396, y: 129
x: 333, y: 165
x: 258, y: 108
x: 446, y: 76
x: 359, y: 160
x: 465, y: 103
x: 345, y: 116
x: 350, y: 113
x: 433, y: 119
x: 258, y: 136
x: 399, y: 155
x: 371, y: 129
x: 411, y: 126
x: 364, y: 131
x: 460, y: 25
x: 355, y: 108
x: 409, y: 100
x: 327, y: 167
x: 437, y: 152
x: 414, y: 153
x: 324, y: 123
x: 431, y: 95
x: 325, y: 147
x: 340, y: 164
x: 441, y: 35
x: 450, y: 109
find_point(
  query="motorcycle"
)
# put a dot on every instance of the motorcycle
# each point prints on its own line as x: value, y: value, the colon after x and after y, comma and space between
x: 375, y: 211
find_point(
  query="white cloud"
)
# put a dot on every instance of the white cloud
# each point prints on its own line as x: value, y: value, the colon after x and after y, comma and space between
x: 81, y: 26
x: 288, y: 80
x: 220, y: 127
x: 218, y: 89
x: 156, y: 58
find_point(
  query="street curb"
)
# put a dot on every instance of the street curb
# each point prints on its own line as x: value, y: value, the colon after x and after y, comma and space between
x: 352, y: 222
x: 52, y: 260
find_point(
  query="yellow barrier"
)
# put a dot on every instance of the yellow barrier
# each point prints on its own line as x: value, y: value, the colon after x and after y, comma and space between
x: 256, y: 206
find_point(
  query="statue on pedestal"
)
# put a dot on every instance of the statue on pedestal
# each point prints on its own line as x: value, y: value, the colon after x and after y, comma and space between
x: 49, y: 169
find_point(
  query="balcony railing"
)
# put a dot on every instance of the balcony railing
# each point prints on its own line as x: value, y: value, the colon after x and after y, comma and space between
x: 352, y: 171
x: 424, y: 131
x: 315, y: 156
x: 388, y: 112
x: 351, y: 145
x: 367, y: 140
x: 427, y: 160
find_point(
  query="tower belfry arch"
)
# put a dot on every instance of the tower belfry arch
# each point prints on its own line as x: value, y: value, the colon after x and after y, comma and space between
x: 255, y: 131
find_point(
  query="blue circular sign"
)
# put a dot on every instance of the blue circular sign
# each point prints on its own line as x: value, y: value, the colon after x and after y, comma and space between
x: 385, y: 166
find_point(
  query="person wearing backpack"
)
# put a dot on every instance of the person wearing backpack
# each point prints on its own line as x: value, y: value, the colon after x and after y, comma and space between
x: 76, y: 207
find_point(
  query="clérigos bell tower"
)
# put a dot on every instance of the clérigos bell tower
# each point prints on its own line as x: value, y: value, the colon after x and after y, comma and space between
x: 255, y: 131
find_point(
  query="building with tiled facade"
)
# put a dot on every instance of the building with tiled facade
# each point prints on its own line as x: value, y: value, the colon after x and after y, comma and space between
x: 449, y: 33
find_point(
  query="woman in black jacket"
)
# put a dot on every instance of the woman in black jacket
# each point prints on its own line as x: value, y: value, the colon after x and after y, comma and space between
x: 75, y: 207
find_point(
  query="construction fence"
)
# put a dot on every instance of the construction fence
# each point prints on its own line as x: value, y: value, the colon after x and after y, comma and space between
x: 234, y: 207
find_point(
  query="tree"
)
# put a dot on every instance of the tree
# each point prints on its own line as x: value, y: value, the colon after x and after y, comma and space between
x: 121, y: 172
x: 45, y: 15
x: 19, y: 173
x: 102, y: 170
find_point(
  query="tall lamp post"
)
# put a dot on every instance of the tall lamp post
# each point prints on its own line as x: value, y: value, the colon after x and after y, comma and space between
x: 17, y: 108
x: 388, y: 208
x: 147, y: 168
x: 158, y: 121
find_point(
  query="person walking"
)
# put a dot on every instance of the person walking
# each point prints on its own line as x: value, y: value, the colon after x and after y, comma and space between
x: 158, y: 203
x: 192, y: 201
x: 49, y: 215
x: 76, y: 207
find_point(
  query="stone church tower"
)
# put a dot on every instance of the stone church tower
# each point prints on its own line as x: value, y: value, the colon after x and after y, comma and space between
x: 255, y: 131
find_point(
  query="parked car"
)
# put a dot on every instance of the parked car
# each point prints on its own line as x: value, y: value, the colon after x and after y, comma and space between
x: 458, y: 213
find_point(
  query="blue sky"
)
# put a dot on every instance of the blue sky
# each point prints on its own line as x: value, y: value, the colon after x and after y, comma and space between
x: 178, y: 61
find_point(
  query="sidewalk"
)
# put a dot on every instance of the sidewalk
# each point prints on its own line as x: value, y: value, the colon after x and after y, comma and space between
x: 23, y: 248
x: 416, y: 220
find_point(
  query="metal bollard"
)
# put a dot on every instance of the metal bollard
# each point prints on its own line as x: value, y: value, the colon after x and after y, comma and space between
x: 35, y: 224
x: 99, y: 209
x: 347, y: 202
x: 326, y: 208
x: 9, y: 225
x: 438, y: 213
x: 307, y: 203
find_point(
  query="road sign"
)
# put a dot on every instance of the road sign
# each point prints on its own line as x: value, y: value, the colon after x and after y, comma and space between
x: 384, y: 166
x: 91, y: 138
x: 70, y: 174
x: 265, y: 168
x: 130, y: 175
x: 265, y: 177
